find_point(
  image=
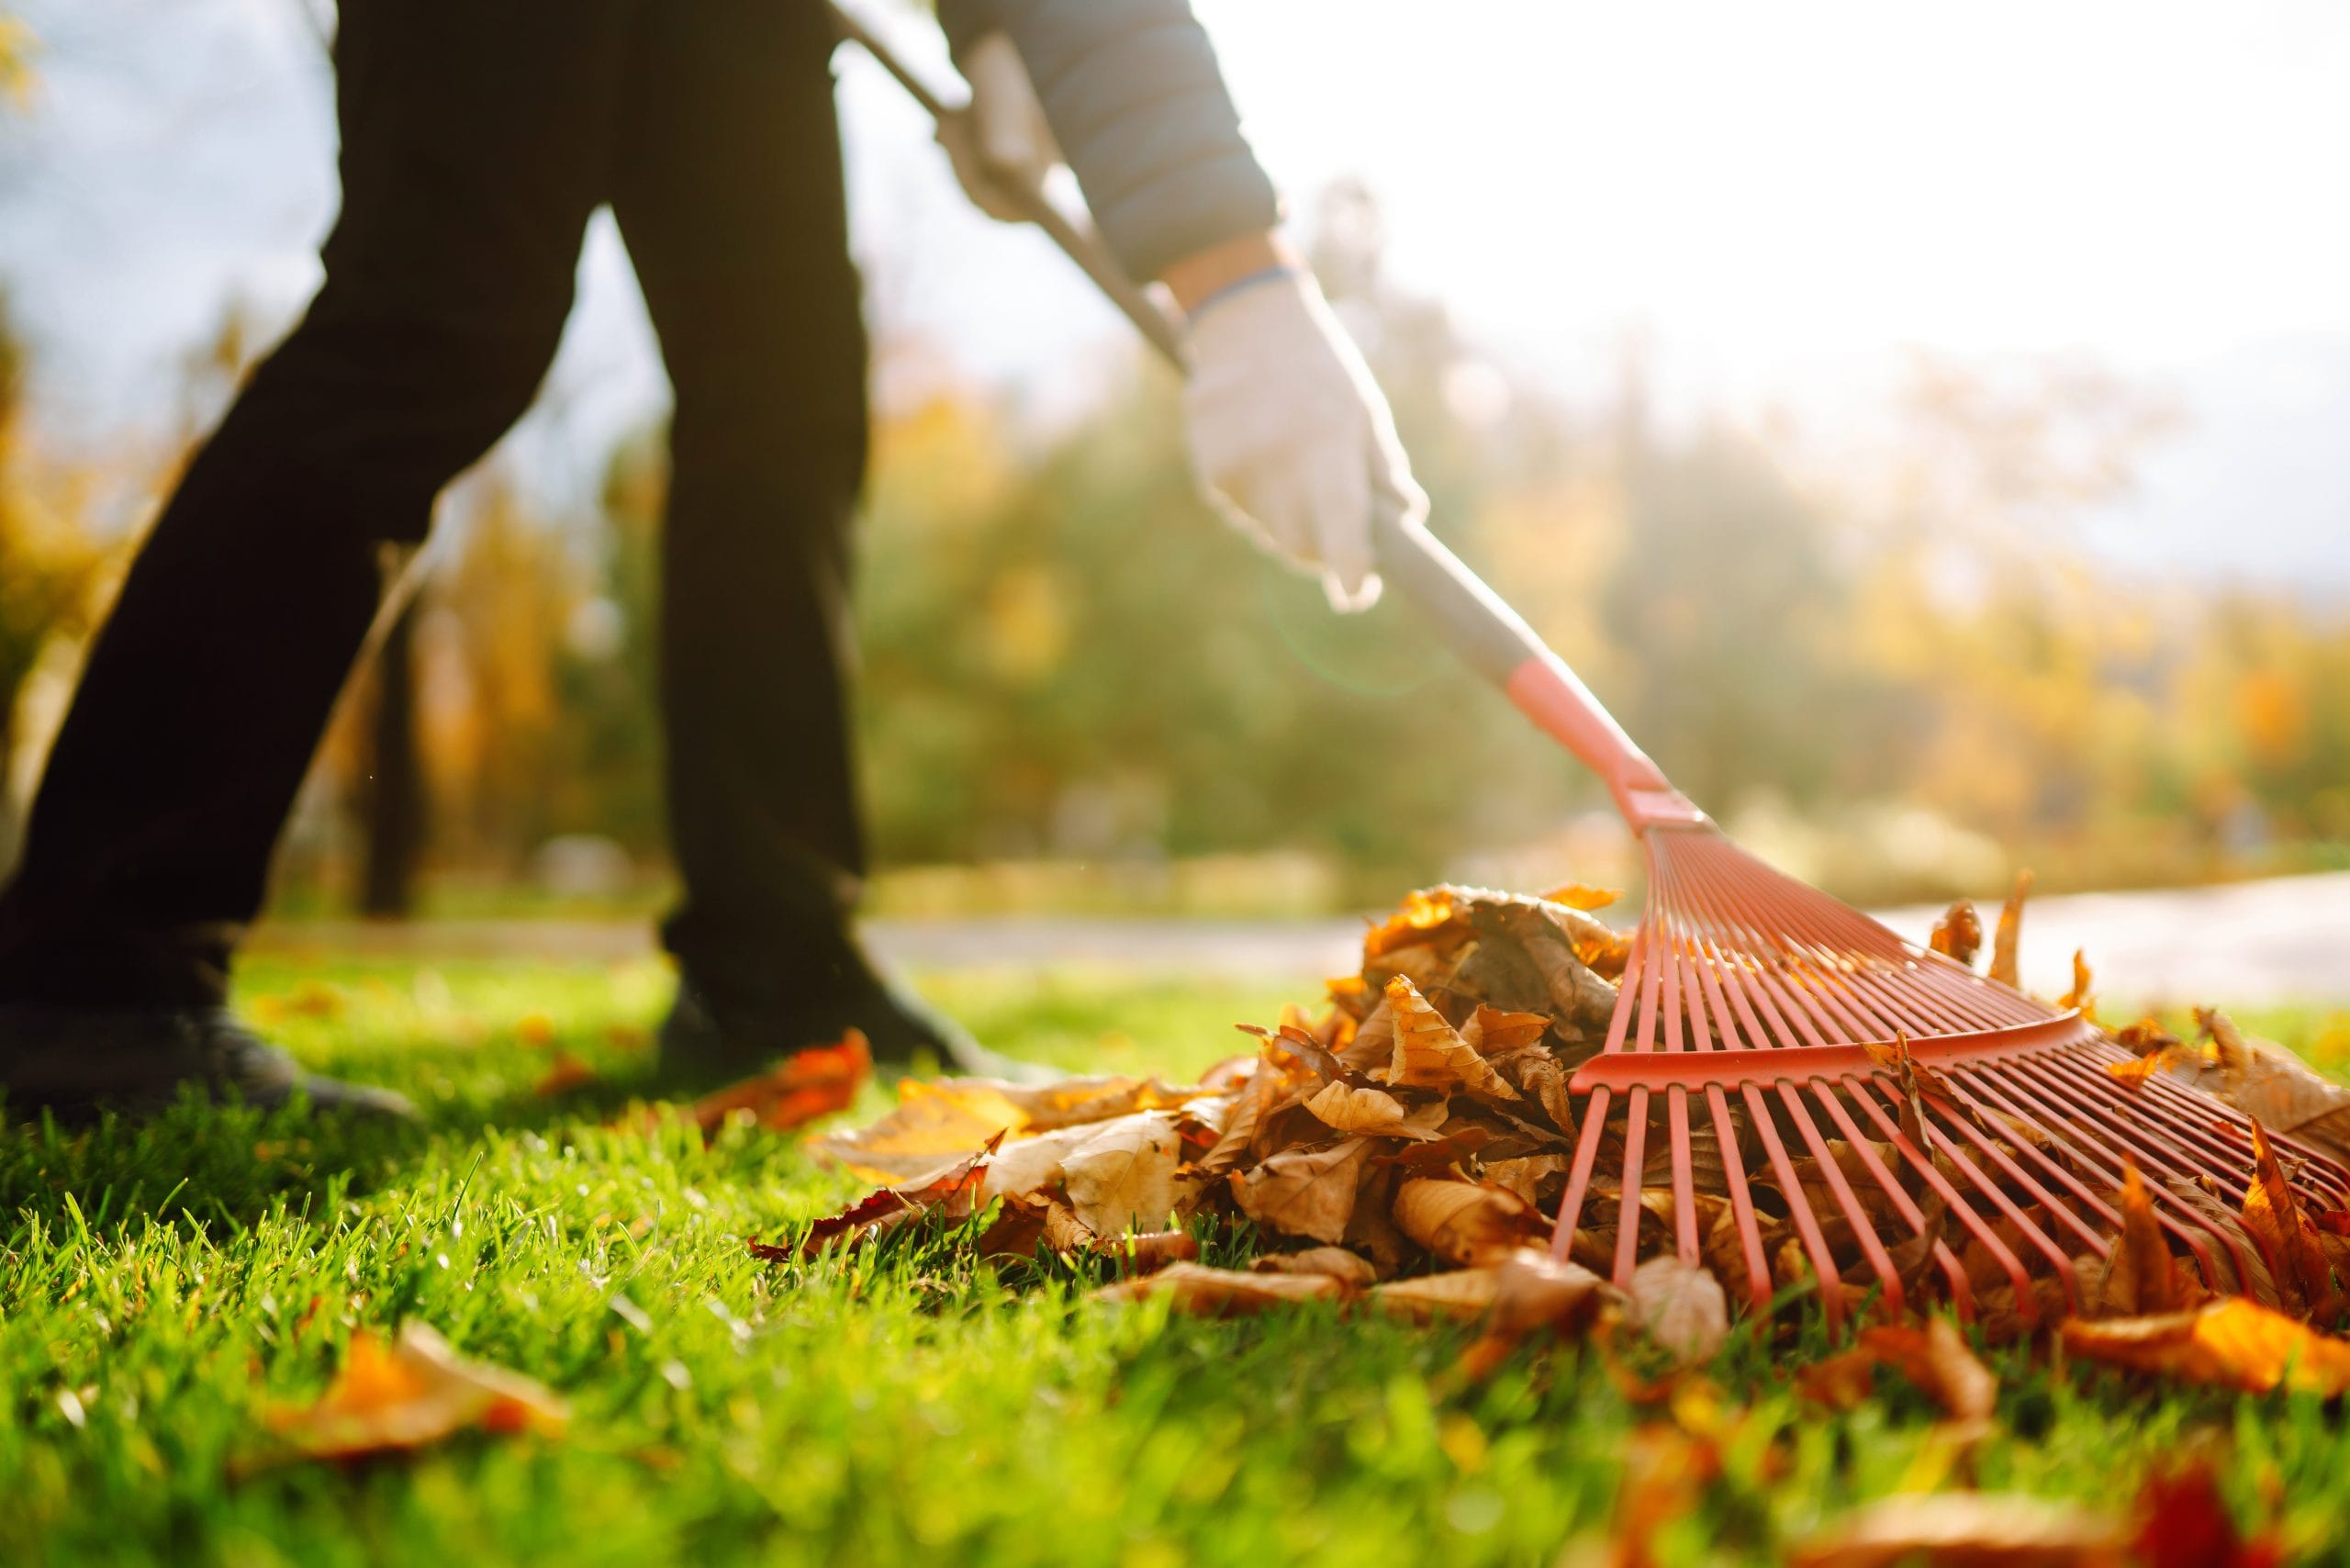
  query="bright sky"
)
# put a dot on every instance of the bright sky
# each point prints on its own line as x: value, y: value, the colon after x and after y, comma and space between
x: 1784, y: 198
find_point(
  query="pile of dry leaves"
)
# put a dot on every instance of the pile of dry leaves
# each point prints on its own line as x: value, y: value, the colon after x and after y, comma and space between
x: 1407, y: 1151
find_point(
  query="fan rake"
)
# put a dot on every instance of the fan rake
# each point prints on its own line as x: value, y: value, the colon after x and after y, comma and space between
x: 1765, y: 1033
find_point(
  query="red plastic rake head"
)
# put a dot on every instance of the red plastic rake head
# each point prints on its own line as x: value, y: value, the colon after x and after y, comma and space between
x: 1897, y: 1117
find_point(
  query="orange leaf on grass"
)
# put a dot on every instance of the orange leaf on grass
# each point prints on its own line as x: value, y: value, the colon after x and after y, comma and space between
x: 1967, y: 1529
x: 2183, y: 1522
x: 2232, y: 1343
x: 953, y: 1191
x: 1842, y: 1381
x: 416, y: 1391
x: 1202, y: 1291
x: 1937, y: 1359
x: 566, y: 1073
x: 803, y: 1087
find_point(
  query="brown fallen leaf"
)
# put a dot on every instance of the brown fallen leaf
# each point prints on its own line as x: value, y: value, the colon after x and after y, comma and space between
x: 1525, y: 1175
x: 1681, y: 1307
x: 1430, y: 1053
x: 2003, y: 940
x: 1842, y: 1381
x: 1968, y: 1529
x: 2081, y: 997
x: 1459, y: 1295
x: 1346, y: 1109
x: 1958, y: 935
x: 803, y: 1087
x: 1575, y: 895
x: 566, y: 1073
x: 1199, y: 1290
x: 953, y: 1189
x: 416, y: 1392
x: 1348, y: 1268
x: 1936, y: 1360
x: 1148, y: 1251
x: 935, y: 1119
x: 1124, y: 1176
x: 1025, y: 1221
x: 2273, y: 1086
x: 1304, y: 1192
x: 1422, y: 914
x: 1490, y: 1032
x: 2140, y: 1275
x: 1534, y: 1294
x: 1466, y: 1222
x: 2232, y: 1343
x: 2183, y: 1522
x: 2273, y: 1212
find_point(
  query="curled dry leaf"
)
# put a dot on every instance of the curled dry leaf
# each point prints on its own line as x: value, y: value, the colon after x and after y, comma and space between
x: 1304, y: 1192
x: 1346, y: 1109
x: 417, y: 1391
x: 952, y: 1189
x: 2232, y: 1343
x: 1150, y: 1251
x: 2273, y: 1212
x: 1025, y: 1223
x: 2140, y: 1275
x: 1430, y: 1054
x: 1350, y: 1268
x: 1202, y: 1291
x: 803, y: 1086
x: 1936, y: 1360
x: 1125, y: 1175
x: 1490, y: 1032
x: 1958, y: 935
x: 2082, y: 995
x: 2272, y: 1085
x: 1466, y: 1222
x: 1575, y: 895
x: 1460, y: 1296
x: 2003, y: 940
x: 1681, y: 1307
x: 1968, y: 1529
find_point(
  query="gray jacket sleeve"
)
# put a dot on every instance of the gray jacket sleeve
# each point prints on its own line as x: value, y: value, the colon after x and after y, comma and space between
x: 1134, y: 95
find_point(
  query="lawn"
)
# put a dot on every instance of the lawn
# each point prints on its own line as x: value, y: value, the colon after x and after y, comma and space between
x: 161, y: 1288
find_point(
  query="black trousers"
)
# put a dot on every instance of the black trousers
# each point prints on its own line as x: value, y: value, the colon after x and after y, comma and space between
x: 479, y: 136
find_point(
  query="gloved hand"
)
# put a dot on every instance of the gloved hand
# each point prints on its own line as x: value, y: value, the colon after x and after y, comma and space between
x: 1290, y: 437
x: 1001, y: 141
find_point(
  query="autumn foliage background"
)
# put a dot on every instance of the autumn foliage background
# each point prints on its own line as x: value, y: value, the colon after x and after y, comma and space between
x: 1890, y: 664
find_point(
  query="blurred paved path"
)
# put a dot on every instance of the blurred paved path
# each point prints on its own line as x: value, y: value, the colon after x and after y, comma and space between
x: 2284, y: 939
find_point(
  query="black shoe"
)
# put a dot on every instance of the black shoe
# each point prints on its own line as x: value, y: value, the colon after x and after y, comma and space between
x: 705, y: 1040
x: 704, y: 1037
x: 75, y: 1061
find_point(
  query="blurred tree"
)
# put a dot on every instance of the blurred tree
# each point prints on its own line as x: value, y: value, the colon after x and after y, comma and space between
x: 49, y: 566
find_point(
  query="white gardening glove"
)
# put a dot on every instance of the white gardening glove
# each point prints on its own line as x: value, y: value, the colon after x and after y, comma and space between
x: 1000, y: 143
x: 1290, y: 437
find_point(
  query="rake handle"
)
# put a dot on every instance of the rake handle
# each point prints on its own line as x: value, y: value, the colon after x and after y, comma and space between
x: 1467, y: 615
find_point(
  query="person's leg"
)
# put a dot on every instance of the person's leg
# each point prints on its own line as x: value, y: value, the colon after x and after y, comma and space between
x: 728, y: 191
x: 475, y: 144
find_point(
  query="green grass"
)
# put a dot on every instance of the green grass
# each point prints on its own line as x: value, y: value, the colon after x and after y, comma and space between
x: 161, y: 1287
